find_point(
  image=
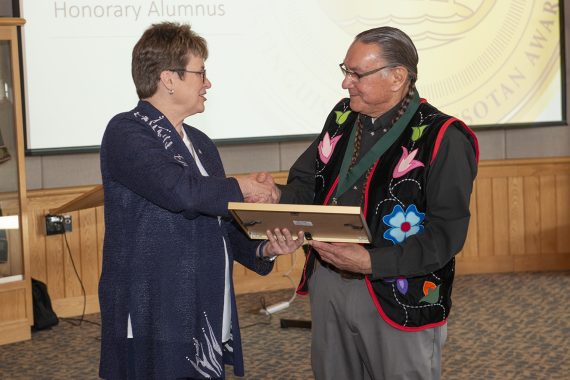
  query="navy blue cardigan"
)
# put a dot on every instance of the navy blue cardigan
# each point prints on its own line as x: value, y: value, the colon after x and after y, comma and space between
x: 163, y: 254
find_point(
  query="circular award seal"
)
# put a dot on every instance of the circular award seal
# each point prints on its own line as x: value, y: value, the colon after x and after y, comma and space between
x: 484, y: 61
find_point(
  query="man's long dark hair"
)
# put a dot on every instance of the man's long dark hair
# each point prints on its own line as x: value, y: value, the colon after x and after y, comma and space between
x: 397, y: 49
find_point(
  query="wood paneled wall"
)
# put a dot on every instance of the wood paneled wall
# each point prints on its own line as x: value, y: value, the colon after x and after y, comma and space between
x: 520, y: 222
x: 51, y: 261
x: 520, y: 217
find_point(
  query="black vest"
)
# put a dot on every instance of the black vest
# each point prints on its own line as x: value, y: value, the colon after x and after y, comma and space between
x: 394, y: 205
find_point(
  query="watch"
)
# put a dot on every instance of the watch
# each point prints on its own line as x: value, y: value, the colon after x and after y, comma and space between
x: 260, y: 253
x: 268, y: 258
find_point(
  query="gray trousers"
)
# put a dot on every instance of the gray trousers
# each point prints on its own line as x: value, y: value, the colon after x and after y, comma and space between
x: 351, y: 341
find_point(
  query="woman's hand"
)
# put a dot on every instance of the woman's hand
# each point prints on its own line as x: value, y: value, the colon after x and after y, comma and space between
x: 281, y: 242
x: 258, y: 188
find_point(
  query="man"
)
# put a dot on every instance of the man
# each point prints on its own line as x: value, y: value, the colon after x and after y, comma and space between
x: 380, y: 310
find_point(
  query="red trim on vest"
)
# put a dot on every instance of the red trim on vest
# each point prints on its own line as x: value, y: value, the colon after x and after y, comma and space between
x: 475, y: 141
x: 391, y: 322
x: 440, y: 137
x: 442, y: 132
x: 367, y: 186
x: 335, y: 183
x: 304, y: 276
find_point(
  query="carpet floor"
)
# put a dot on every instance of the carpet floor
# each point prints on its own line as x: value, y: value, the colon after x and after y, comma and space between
x: 503, y: 326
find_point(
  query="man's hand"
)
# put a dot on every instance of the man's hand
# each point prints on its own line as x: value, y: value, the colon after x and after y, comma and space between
x: 345, y: 256
x: 262, y: 190
x: 266, y: 178
x: 255, y: 191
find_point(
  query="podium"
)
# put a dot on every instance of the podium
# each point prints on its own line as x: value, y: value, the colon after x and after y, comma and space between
x: 92, y: 198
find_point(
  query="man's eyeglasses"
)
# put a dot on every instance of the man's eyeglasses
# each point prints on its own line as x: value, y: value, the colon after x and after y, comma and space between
x: 202, y: 73
x: 357, y: 76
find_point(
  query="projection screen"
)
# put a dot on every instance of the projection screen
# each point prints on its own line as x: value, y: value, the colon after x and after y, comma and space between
x: 274, y: 64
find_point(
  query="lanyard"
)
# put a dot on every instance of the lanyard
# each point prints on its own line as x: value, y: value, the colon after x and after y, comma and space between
x: 349, y: 176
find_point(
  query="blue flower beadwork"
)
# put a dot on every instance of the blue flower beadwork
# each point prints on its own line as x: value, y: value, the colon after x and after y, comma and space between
x: 403, y: 224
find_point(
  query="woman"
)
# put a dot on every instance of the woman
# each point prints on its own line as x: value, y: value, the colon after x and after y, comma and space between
x: 167, y: 304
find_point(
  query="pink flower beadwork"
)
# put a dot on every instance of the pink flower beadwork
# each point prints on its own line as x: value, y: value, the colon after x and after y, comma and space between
x: 326, y: 147
x: 406, y: 163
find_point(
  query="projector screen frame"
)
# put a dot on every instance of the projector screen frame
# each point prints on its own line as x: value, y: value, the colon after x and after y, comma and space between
x: 304, y: 137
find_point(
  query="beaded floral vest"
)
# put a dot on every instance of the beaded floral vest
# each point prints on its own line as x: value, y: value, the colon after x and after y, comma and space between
x: 394, y: 205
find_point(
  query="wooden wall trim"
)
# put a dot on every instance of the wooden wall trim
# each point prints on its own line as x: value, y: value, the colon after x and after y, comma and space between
x: 525, y: 161
x: 520, y: 221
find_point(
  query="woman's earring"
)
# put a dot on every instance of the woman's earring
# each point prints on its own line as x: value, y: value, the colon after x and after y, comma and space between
x: 170, y: 91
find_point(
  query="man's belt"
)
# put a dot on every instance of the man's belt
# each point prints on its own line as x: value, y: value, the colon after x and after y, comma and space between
x: 343, y: 273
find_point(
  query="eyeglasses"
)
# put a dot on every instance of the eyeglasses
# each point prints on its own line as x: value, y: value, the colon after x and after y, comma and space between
x: 356, y: 76
x: 202, y: 73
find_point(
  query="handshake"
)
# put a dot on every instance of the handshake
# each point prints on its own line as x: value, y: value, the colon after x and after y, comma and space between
x: 259, y: 188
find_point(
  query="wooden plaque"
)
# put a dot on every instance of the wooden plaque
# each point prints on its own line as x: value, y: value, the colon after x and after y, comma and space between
x: 331, y: 224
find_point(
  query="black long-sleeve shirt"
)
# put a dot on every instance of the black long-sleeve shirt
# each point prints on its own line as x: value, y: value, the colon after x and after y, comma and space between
x: 448, y: 191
